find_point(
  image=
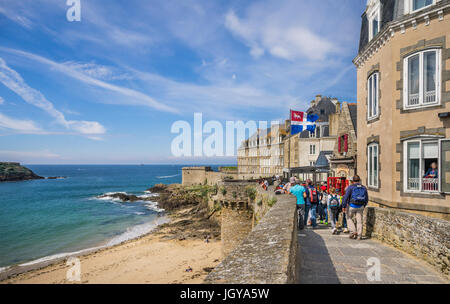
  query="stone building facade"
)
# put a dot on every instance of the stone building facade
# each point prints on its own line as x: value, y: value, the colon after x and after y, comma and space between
x: 403, y: 89
x: 343, y: 160
x: 262, y: 155
x: 302, y: 150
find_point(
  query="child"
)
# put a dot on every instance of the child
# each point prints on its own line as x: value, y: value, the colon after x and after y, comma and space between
x: 333, y: 203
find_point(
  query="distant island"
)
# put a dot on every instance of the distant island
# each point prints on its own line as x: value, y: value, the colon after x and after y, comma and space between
x: 14, y: 172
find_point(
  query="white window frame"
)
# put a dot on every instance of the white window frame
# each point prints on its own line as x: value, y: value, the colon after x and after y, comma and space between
x: 375, y: 11
x: 421, y: 80
x: 375, y: 101
x: 312, y: 149
x: 374, y: 185
x: 409, y: 6
x: 420, y: 141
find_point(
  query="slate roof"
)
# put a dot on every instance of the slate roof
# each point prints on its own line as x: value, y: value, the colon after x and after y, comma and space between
x: 390, y: 10
x: 353, y: 114
x: 322, y: 160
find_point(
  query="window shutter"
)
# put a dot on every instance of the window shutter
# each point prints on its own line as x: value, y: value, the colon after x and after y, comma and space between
x: 346, y: 143
x: 444, y: 172
x: 339, y: 145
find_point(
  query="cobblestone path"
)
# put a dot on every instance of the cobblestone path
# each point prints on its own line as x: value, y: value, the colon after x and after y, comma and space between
x: 336, y: 259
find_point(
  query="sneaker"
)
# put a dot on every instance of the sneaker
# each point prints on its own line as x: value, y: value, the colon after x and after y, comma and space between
x: 333, y: 231
x: 353, y: 236
x: 326, y: 223
x: 346, y: 230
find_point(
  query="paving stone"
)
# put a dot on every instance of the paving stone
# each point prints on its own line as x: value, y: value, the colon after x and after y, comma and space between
x: 331, y: 259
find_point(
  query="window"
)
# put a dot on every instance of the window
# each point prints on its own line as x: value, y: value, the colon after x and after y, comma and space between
x: 312, y: 149
x: 374, y: 17
x: 373, y: 96
x: 422, y: 165
x: 421, y: 79
x: 419, y: 4
x: 312, y: 164
x: 372, y: 165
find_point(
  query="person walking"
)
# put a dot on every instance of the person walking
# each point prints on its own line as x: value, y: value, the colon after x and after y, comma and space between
x: 333, y: 204
x: 300, y: 192
x: 323, y: 202
x: 312, y: 201
x: 355, y: 199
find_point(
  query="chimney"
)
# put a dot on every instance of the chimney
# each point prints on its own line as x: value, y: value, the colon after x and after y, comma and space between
x: 338, y: 107
x: 318, y: 98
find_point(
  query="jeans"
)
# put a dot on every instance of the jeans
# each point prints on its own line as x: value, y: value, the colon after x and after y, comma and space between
x: 307, y: 207
x: 301, y: 216
x: 333, y: 217
x: 312, y: 215
x: 323, y: 212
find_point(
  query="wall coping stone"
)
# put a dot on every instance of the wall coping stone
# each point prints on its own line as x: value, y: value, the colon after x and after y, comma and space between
x: 268, y: 255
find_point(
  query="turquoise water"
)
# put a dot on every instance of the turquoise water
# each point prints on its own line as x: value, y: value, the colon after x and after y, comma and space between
x: 41, y: 218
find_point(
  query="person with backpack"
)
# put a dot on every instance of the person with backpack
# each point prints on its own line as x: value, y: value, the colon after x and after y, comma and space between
x: 312, y: 202
x: 333, y: 203
x: 300, y: 192
x: 354, y: 202
x: 323, y: 200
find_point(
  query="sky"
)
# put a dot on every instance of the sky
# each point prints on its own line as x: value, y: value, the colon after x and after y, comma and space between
x: 107, y: 89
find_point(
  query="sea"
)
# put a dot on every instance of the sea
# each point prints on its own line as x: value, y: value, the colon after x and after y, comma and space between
x: 47, y: 219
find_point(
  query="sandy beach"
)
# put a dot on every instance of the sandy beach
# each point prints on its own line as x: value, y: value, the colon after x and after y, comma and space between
x: 161, y: 257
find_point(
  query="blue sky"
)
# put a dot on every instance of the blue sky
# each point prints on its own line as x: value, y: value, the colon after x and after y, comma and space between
x: 107, y: 90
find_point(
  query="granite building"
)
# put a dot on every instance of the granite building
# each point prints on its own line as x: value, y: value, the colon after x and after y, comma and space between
x: 403, y: 91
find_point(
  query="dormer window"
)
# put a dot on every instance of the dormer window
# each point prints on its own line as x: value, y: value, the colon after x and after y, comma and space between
x: 419, y: 4
x: 412, y: 6
x: 374, y: 17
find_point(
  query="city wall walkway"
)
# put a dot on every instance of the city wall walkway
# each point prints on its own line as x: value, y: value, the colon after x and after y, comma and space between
x: 327, y: 259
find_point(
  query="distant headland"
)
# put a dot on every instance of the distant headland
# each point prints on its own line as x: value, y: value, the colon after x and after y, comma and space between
x: 14, y: 172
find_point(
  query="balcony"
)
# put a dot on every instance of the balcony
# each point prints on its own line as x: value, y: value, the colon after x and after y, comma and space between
x: 430, y: 97
x: 413, y: 99
x: 425, y: 184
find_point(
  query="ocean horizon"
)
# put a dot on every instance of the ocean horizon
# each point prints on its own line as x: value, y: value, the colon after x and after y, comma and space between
x: 41, y: 220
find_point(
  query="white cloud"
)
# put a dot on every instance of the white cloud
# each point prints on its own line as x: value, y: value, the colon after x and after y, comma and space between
x: 15, y: 82
x: 18, y: 125
x: 137, y: 97
x: 97, y: 71
x: 261, y: 33
x: 2, y: 101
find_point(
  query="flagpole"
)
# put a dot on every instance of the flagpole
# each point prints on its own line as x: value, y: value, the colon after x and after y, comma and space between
x: 290, y: 135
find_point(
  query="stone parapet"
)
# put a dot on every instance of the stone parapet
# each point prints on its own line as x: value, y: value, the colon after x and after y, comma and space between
x: 424, y: 237
x: 268, y: 255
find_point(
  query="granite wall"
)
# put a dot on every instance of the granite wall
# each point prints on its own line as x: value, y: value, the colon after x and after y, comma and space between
x: 426, y: 238
x: 268, y: 254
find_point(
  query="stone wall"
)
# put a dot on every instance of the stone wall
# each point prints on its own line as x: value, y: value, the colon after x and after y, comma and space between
x: 237, y: 213
x: 268, y: 255
x: 205, y: 175
x: 424, y: 237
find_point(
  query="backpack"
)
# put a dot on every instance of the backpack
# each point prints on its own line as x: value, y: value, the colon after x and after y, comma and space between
x: 313, y: 197
x: 359, y: 195
x: 334, y: 203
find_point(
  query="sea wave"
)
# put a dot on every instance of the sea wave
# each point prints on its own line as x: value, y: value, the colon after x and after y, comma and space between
x: 137, y: 231
x: 168, y: 176
x: 153, y: 206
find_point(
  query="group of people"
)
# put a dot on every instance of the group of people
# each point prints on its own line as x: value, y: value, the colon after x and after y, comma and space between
x: 317, y: 203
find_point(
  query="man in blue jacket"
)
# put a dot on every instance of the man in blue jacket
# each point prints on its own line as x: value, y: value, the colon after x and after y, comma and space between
x: 354, y: 202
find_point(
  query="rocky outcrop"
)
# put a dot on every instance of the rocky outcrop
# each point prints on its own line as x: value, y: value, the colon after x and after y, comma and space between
x: 123, y: 197
x: 14, y: 172
x: 188, y: 208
